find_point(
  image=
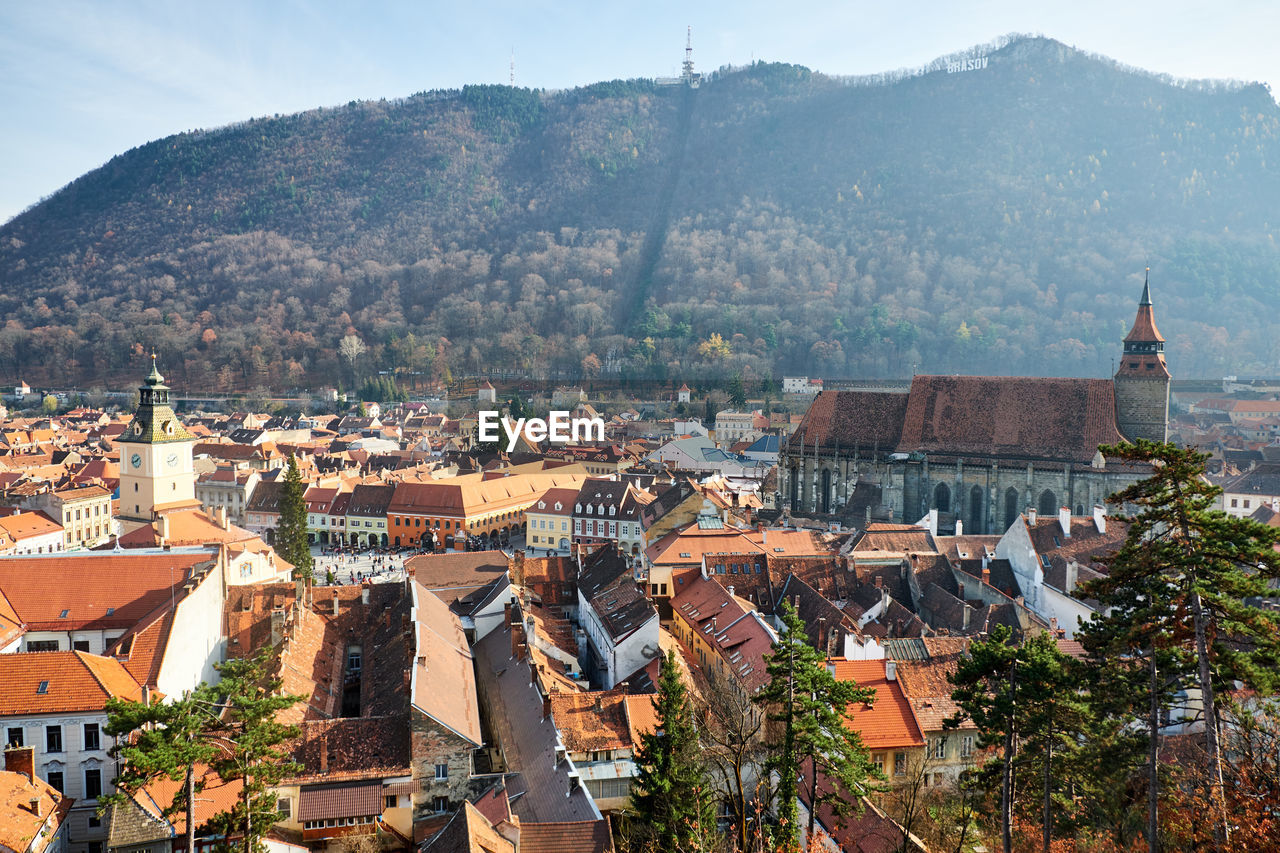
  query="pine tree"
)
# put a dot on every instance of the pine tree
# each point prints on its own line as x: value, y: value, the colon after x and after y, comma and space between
x: 252, y: 747
x: 1183, y: 558
x: 671, y: 801
x: 810, y: 704
x: 159, y: 739
x: 291, y: 532
x: 230, y: 727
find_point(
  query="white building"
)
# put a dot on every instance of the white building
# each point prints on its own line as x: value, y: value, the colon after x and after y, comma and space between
x: 621, y: 624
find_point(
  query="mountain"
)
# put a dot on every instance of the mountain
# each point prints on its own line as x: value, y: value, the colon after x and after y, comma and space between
x: 994, y: 216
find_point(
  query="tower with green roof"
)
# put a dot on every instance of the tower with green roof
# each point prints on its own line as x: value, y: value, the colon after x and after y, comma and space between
x: 157, y: 473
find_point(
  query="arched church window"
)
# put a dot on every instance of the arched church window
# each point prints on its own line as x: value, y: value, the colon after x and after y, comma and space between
x: 1048, y: 504
x: 942, y: 498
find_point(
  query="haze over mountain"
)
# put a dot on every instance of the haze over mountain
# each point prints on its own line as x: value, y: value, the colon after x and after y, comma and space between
x: 990, y: 220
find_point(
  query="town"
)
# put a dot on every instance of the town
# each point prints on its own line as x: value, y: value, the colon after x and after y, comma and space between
x: 472, y: 638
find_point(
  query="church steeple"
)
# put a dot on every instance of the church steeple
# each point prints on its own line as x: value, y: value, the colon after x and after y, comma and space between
x: 1142, y: 380
x: 1144, y: 345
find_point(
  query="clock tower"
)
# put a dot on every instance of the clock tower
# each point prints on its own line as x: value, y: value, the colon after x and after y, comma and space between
x: 157, y: 473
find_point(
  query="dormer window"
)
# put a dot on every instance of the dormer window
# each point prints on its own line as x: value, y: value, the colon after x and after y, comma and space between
x: 557, y: 506
x: 589, y: 509
x: 613, y: 510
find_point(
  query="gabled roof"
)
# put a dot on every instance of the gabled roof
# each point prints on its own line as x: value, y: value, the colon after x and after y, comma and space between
x: 27, y: 805
x: 591, y: 721
x: 444, y: 682
x: 1014, y: 417
x: 62, y: 682
x: 867, y: 421
x: 96, y: 589
x: 888, y: 723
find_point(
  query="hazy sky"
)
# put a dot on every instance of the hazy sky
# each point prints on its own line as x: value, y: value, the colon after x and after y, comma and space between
x: 81, y: 81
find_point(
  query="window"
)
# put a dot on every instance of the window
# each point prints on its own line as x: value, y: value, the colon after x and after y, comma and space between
x: 93, y: 783
x: 91, y: 739
x: 440, y: 804
x: 878, y: 760
x: 442, y: 772
x: 966, y: 746
x: 94, y: 823
x: 95, y: 847
x: 42, y: 645
x: 899, y: 764
x: 389, y: 801
x: 52, y: 738
x: 54, y: 778
x: 15, y: 737
x: 81, y: 645
x: 284, y: 806
x: 940, y: 748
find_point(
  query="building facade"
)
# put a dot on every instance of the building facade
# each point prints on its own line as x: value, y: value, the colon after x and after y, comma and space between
x: 979, y: 450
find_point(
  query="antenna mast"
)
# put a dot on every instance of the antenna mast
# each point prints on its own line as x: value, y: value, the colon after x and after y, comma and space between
x: 513, y: 66
x: 688, y: 54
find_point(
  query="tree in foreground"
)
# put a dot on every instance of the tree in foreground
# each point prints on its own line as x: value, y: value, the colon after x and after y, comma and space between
x: 230, y: 727
x: 251, y: 747
x: 1194, y: 571
x: 732, y: 730
x: 291, y: 532
x: 810, y: 705
x: 1025, y: 701
x: 161, y: 739
x: 672, y: 804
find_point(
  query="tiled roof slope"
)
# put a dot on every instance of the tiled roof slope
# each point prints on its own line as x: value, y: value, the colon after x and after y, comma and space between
x: 580, y: 836
x: 26, y: 805
x: 888, y: 723
x: 1016, y: 417
x: 87, y: 585
x: 592, y: 721
x: 444, y: 683
x: 72, y: 682
x: 862, y: 420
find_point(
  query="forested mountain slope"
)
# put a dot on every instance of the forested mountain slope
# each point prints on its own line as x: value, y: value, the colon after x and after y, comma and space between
x: 996, y: 220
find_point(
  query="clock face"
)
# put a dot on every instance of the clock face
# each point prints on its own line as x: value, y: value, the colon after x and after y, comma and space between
x: 136, y: 460
x: 172, y: 460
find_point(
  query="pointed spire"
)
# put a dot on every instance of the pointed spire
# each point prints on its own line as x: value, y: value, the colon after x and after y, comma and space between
x: 154, y: 377
x: 1146, y: 290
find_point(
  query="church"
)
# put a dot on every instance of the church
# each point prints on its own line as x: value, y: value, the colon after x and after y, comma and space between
x: 978, y: 449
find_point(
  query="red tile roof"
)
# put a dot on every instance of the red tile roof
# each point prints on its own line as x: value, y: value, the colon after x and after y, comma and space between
x: 86, y: 585
x: 863, y: 420
x: 583, y: 836
x: 335, y: 801
x: 19, y: 824
x: 61, y: 682
x: 1015, y: 417
x: 888, y: 723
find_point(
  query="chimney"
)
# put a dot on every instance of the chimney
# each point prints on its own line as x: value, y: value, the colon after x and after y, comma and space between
x: 1100, y: 517
x: 966, y: 610
x: 1064, y: 520
x: 959, y: 527
x: 1073, y: 574
x: 364, y: 593
x: 298, y: 585
x: 21, y: 759
x: 730, y: 590
x: 324, y: 753
x: 890, y: 669
x: 960, y: 593
x: 146, y: 696
x: 277, y: 625
x: 335, y: 602
x: 1053, y: 624
x: 986, y: 575
x: 1031, y: 516
x: 764, y: 536
x: 932, y: 522
x: 546, y: 707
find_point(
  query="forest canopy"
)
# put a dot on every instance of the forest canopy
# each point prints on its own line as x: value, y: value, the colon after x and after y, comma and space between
x: 991, y: 221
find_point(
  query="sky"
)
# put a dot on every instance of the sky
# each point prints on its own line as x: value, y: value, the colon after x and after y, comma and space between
x: 84, y: 80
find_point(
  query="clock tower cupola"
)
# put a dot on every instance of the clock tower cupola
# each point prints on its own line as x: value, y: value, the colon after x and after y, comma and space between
x: 157, y: 472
